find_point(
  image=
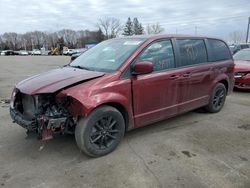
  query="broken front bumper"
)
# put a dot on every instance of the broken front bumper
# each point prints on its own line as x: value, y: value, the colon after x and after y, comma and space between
x: 44, y: 126
x: 18, y: 118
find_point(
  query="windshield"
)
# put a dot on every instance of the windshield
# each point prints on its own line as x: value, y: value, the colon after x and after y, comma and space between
x: 107, y: 56
x: 243, y: 55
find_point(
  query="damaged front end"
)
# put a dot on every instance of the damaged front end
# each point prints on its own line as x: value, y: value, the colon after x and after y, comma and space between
x: 45, y: 114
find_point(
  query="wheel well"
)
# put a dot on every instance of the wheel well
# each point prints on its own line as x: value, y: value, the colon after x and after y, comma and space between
x: 121, y: 109
x: 225, y: 83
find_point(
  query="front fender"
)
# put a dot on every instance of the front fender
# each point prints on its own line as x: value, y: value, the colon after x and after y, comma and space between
x: 88, y: 96
x: 83, y: 106
x: 104, y: 98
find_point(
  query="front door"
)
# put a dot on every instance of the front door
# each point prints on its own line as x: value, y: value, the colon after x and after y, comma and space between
x: 155, y: 94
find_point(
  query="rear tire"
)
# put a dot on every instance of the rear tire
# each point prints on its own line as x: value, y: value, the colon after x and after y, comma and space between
x: 100, y: 133
x: 217, y: 99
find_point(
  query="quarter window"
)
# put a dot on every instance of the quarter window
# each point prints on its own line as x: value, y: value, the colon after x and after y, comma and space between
x: 218, y: 50
x: 192, y: 51
x: 160, y: 53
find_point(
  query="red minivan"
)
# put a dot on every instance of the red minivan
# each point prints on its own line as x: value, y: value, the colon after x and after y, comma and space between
x: 124, y: 83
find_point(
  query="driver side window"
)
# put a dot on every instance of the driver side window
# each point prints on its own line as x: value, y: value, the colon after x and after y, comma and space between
x: 160, y: 53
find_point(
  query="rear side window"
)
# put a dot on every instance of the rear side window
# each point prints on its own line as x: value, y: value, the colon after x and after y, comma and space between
x: 192, y: 51
x: 218, y: 50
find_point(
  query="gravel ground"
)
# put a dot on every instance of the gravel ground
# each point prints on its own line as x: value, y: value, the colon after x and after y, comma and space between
x: 192, y: 150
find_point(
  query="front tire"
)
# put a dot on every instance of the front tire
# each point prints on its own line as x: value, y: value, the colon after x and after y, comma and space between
x: 217, y: 99
x: 100, y: 133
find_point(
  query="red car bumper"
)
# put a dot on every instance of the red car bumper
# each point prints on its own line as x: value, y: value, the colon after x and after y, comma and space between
x: 242, y: 83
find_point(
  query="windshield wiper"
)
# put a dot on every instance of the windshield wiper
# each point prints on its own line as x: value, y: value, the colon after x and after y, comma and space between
x: 79, y: 67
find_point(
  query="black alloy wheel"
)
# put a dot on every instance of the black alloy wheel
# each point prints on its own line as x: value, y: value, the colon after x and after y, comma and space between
x: 100, y: 132
x: 104, y: 132
x: 217, y: 99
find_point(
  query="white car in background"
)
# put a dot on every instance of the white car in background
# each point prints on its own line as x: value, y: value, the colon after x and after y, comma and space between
x: 36, y: 52
x: 68, y: 51
x: 23, y: 52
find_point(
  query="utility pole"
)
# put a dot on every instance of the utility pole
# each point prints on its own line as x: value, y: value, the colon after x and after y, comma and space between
x: 195, y: 30
x: 248, y: 29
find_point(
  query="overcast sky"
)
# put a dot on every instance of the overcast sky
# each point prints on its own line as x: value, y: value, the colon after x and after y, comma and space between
x: 212, y: 17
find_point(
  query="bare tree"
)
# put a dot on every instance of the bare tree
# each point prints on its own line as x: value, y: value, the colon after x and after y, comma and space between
x: 28, y: 40
x: 40, y: 38
x: 1, y: 43
x: 110, y: 27
x: 154, y: 28
x: 23, y: 42
x: 11, y: 39
x: 51, y: 39
x: 69, y: 37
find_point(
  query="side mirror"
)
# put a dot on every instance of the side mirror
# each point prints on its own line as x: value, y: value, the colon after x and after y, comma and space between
x: 142, y: 67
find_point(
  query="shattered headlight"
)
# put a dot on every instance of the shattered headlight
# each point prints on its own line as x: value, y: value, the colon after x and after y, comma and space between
x: 13, y: 96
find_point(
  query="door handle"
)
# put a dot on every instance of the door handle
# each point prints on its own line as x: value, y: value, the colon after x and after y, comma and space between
x: 174, y: 77
x: 186, y: 75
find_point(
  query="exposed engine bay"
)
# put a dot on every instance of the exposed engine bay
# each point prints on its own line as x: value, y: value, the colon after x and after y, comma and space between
x: 44, y: 114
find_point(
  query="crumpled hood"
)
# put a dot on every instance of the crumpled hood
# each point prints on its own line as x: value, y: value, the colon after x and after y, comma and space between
x: 242, y: 66
x: 54, y: 80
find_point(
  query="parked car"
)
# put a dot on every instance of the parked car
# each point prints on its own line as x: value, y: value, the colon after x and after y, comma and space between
x: 23, y: 52
x: 78, y: 52
x: 74, y: 56
x: 68, y: 52
x: 122, y: 84
x: 36, y: 52
x: 8, y: 52
x: 232, y: 48
x: 242, y: 69
x: 239, y: 47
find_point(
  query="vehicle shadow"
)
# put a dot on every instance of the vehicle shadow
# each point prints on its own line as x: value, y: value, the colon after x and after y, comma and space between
x: 177, y: 122
x: 64, y: 147
x: 241, y: 90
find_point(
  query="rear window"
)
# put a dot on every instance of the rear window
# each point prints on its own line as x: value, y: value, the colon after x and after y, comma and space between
x: 218, y: 50
x: 192, y: 51
x: 243, y: 46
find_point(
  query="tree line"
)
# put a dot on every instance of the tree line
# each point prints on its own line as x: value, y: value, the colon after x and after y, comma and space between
x: 106, y: 28
x: 38, y: 39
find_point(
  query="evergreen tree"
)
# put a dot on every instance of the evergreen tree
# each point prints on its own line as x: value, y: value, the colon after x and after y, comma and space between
x: 128, y: 29
x: 137, y: 27
x: 141, y: 29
